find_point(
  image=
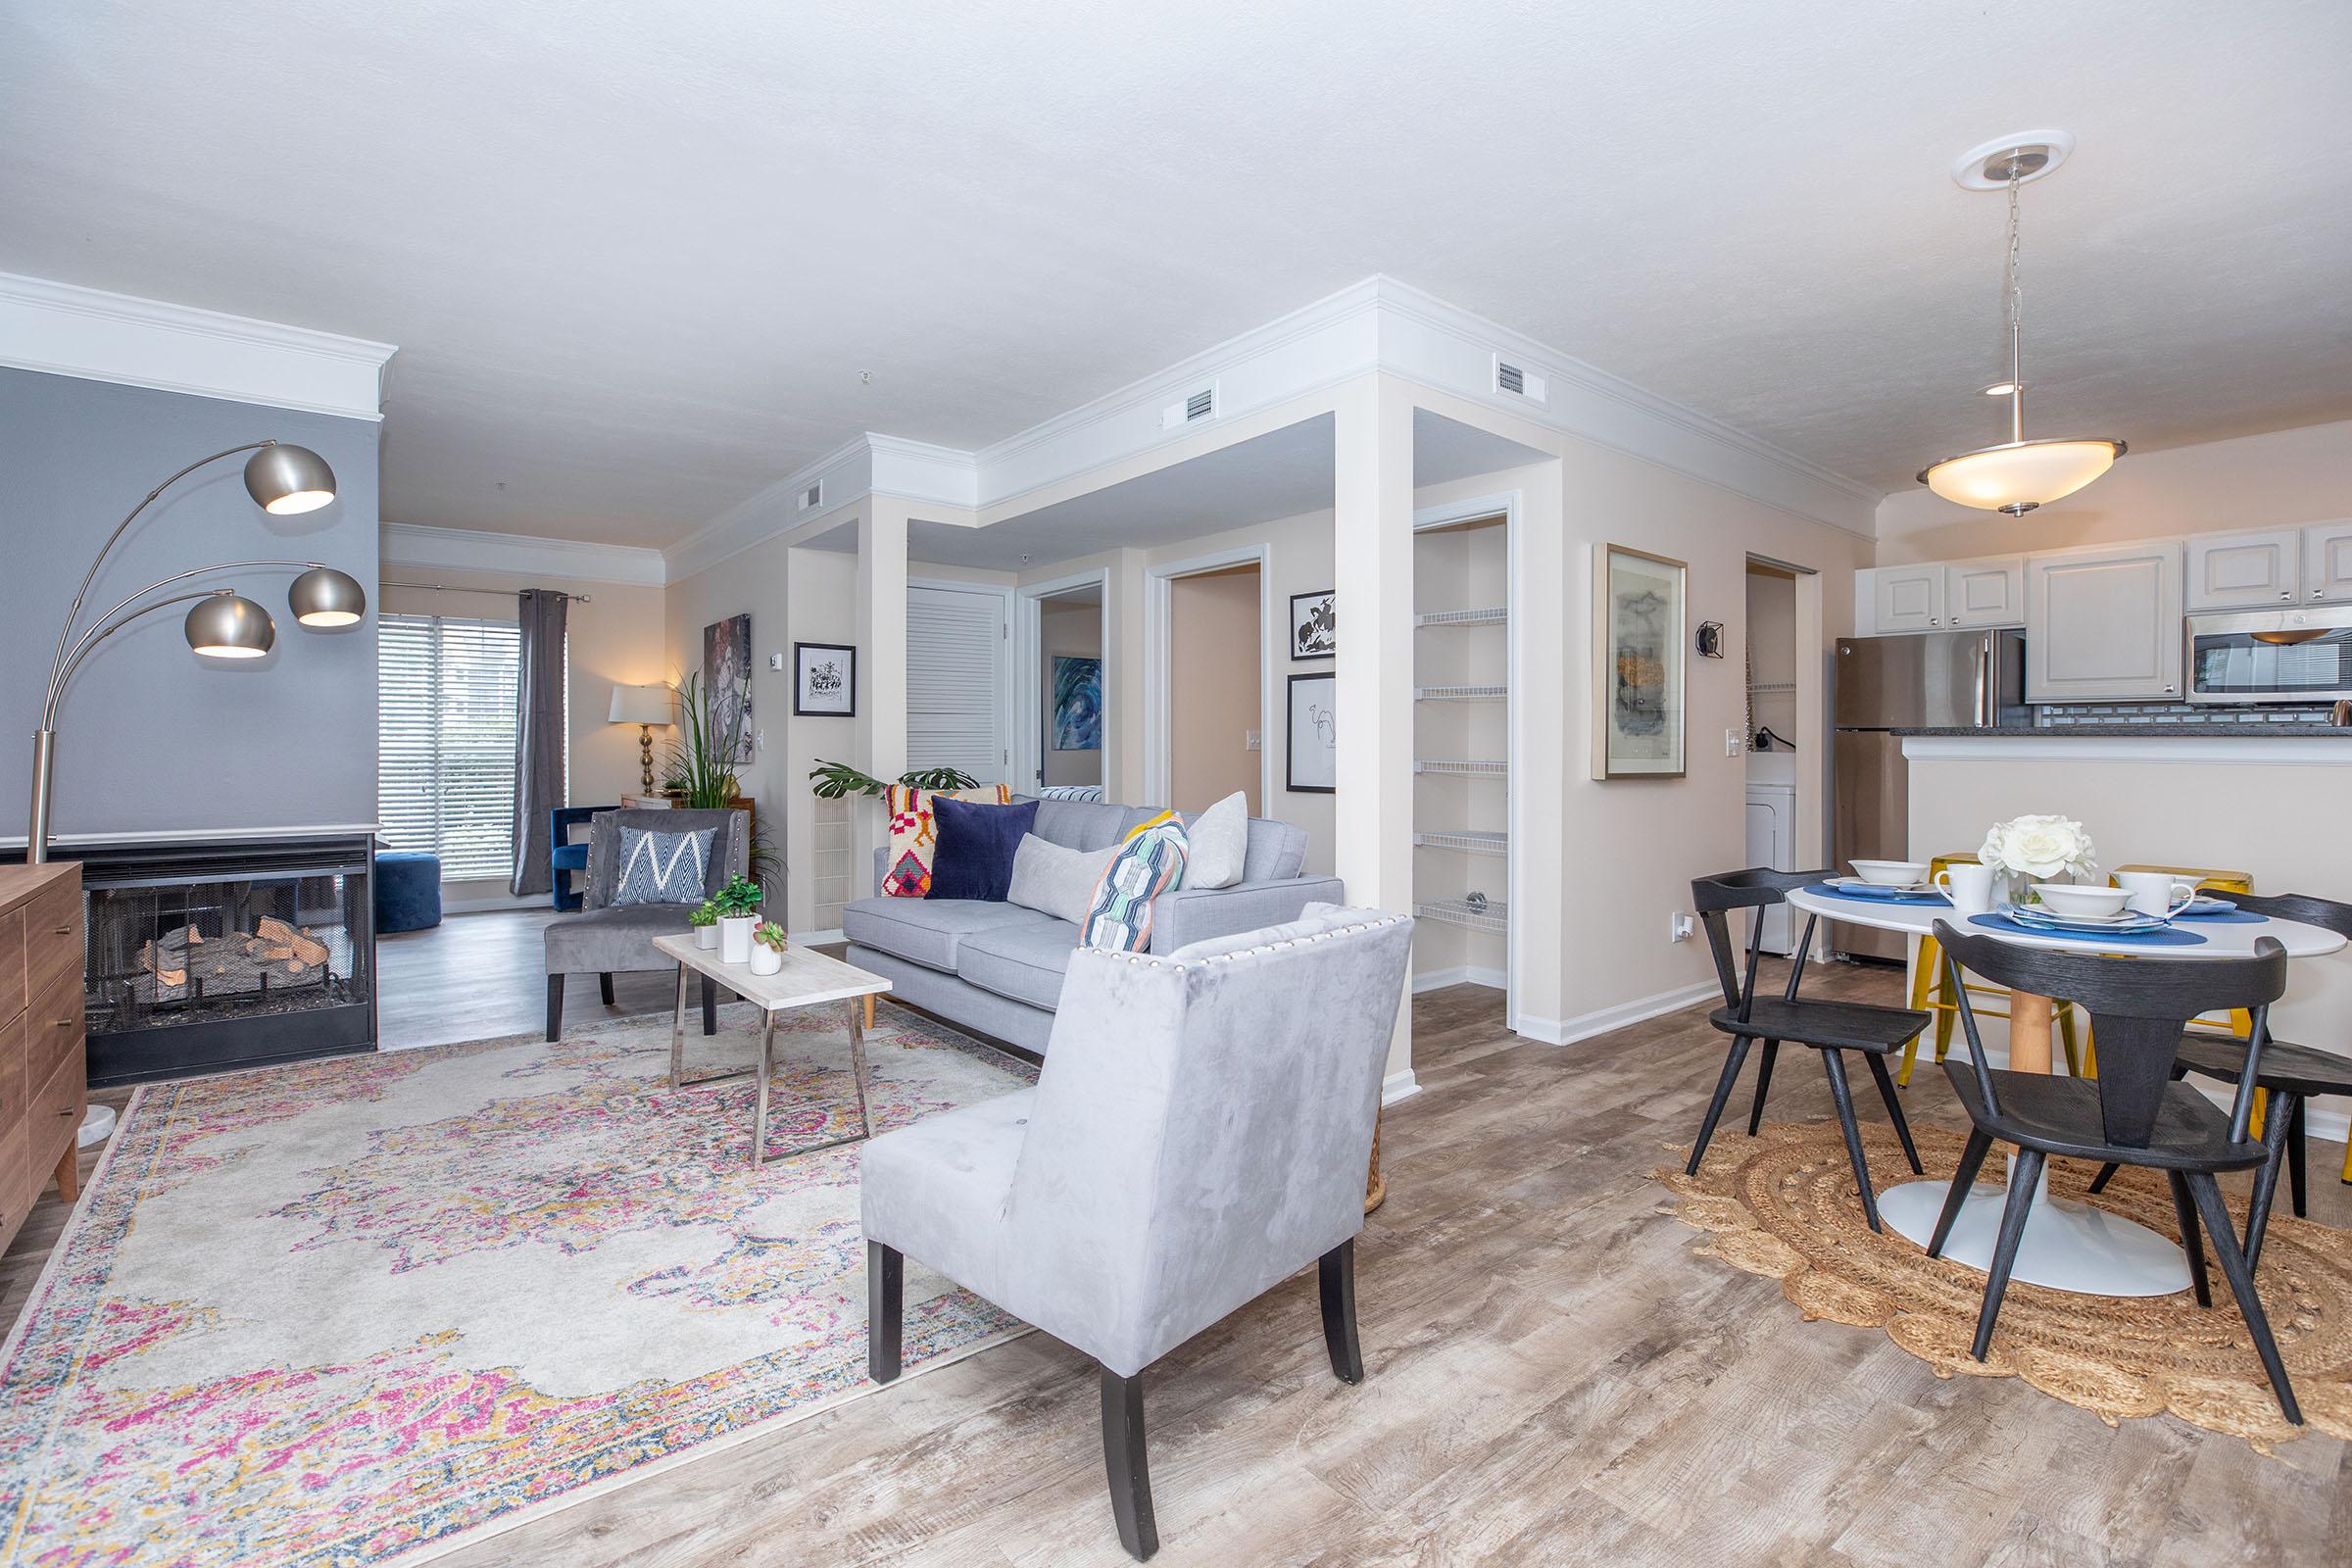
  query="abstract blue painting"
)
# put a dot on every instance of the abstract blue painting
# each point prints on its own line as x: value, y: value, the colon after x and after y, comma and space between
x: 1077, y: 703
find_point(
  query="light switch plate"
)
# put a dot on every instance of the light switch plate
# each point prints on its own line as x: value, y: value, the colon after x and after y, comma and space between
x: 1250, y: 740
x: 775, y: 661
x: 1733, y: 743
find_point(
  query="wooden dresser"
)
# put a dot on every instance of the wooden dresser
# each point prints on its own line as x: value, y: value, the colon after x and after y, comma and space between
x: 43, y: 1082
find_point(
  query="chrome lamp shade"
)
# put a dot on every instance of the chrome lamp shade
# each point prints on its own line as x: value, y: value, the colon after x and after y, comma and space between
x: 326, y: 597
x: 288, y: 480
x: 224, y: 626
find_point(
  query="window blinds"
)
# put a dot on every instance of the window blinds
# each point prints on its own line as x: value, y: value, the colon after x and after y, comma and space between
x: 445, y: 760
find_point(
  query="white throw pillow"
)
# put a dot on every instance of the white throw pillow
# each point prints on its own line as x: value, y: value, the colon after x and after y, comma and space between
x: 1221, y: 841
x: 1054, y: 880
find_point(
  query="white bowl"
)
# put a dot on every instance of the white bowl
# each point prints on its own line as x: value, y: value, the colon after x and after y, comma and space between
x: 1891, y: 873
x: 2073, y: 897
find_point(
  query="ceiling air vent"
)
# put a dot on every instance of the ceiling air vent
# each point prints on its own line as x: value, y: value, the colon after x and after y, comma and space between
x: 814, y: 496
x: 1201, y: 405
x: 1514, y: 380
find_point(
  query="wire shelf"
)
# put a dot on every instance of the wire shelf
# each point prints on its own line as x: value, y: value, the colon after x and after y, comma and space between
x: 1461, y: 694
x: 1493, y: 616
x: 1471, y: 841
x: 1495, y: 917
x: 1773, y: 686
x: 1465, y: 769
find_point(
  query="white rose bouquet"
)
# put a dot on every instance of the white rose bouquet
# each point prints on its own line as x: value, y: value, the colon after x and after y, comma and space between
x: 2040, y: 849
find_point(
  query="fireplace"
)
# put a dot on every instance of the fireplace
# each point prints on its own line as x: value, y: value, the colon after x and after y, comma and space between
x: 204, y: 956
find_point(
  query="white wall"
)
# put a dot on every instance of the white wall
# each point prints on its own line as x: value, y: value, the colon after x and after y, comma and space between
x: 2254, y: 482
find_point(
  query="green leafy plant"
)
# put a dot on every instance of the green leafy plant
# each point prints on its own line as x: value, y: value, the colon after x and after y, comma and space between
x: 738, y: 898
x: 701, y: 767
x: 837, y: 779
x: 768, y: 934
x: 708, y: 914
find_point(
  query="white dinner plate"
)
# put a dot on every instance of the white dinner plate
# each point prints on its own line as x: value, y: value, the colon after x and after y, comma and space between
x: 1885, y: 889
x: 2131, y: 922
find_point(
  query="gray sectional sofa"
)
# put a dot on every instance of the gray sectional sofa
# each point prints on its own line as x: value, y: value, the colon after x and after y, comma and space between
x: 997, y: 968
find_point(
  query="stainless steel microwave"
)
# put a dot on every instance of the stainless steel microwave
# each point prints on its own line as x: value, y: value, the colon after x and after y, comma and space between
x: 2271, y: 656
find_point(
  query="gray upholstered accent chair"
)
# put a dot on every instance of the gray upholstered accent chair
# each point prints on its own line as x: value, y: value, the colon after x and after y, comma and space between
x: 604, y: 939
x: 1198, y: 1134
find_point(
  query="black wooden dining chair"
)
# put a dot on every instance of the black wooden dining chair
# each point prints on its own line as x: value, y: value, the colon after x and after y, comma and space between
x: 1832, y: 1028
x: 2135, y: 1112
x: 2290, y: 1073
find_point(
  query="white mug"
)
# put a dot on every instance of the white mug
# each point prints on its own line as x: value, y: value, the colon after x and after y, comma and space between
x: 1968, y: 886
x: 2156, y: 893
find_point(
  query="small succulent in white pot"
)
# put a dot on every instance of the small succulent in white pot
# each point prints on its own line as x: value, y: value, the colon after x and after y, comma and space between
x: 2038, y: 849
x: 705, y: 922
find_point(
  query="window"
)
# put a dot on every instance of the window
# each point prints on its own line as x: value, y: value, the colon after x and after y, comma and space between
x: 445, y: 763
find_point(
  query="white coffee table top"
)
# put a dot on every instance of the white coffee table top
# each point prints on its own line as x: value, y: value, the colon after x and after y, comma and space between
x: 806, y: 978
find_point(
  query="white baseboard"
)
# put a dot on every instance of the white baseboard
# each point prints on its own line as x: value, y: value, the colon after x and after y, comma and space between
x: 1399, y: 1086
x: 1568, y: 1031
x: 491, y: 906
x: 1461, y: 974
x: 818, y: 939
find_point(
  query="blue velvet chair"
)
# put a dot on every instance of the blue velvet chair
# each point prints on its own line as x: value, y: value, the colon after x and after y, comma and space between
x: 565, y: 856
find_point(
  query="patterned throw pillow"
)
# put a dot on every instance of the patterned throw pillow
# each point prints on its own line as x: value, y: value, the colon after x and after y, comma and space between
x: 1147, y: 864
x: 662, y: 868
x: 914, y: 834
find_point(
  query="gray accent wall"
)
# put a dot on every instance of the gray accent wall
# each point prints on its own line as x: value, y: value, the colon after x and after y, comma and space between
x: 150, y: 738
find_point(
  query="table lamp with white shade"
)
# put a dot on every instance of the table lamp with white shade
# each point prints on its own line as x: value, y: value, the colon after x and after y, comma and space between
x: 643, y: 706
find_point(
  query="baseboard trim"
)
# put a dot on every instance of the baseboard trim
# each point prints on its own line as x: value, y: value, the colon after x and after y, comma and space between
x: 1584, y: 1026
x: 1399, y: 1086
x: 818, y: 938
x: 1461, y: 974
x: 493, y: 906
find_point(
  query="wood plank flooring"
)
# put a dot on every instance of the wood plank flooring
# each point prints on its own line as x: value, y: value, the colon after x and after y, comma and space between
x: 1553, y: 1377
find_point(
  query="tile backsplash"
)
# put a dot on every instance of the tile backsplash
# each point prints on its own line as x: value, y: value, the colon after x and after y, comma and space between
x: 2176, y: 715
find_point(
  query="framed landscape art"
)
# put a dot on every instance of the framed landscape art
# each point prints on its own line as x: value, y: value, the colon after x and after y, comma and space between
x: 1637, y: 664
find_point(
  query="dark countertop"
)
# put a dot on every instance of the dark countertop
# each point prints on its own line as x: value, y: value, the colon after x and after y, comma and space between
x: 2139, y: 732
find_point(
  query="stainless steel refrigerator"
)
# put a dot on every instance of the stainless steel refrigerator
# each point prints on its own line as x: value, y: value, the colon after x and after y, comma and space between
x: 1943, y: 680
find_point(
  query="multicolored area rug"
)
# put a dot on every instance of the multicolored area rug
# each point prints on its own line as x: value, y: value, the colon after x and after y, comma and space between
x: 358, y: 1311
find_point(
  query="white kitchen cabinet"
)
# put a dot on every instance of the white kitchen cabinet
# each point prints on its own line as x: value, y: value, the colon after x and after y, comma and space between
x: 2248, y: 569
x: 2328, y: 564
x: 1906, y: 599
x: 1984, y: 593
x: 2103, y: 624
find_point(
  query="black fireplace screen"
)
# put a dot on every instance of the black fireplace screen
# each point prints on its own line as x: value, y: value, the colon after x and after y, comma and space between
x: 203, y: 958
x: 185, y: 951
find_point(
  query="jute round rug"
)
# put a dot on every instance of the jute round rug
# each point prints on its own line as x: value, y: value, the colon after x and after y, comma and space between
x: 1783, y: 1206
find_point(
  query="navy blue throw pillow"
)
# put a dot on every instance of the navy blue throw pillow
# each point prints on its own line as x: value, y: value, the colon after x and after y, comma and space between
x: 974, y: 858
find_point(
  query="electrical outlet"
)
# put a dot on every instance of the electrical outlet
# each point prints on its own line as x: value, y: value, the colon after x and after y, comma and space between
x: 1734, y: 743
x: 1250, y: 740
x: 759, y: 740
x: 1678, y: 927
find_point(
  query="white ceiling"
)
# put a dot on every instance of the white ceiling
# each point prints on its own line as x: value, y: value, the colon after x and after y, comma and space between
x: 637, y: 257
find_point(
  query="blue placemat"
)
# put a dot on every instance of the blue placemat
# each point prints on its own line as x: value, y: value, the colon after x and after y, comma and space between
x: 1891, y: 896
x: 2168, y: 938
x: 2224, y: 917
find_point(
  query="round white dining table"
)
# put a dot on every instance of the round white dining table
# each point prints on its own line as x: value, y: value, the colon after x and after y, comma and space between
x: 2067, y: 1246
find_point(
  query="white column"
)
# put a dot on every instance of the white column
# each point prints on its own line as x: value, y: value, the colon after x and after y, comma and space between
x: 881, y: 721
x: 1372, y: 550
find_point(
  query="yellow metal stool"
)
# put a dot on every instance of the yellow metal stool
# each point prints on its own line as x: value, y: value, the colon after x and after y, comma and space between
x: 1931, y: 990
x: 2205, y: 879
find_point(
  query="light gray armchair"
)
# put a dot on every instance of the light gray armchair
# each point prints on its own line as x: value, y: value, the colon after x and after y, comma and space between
x: 604, y: 939
x: 1197, y: 1135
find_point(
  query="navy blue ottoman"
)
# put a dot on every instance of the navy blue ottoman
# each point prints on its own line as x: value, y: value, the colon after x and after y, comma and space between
x: 408, y: 891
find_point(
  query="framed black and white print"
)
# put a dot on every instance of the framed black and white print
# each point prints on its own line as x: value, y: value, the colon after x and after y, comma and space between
x: 1313, y: 633
x: 1312, y: 765
x: 1637, y: 664
x: 824, y: 681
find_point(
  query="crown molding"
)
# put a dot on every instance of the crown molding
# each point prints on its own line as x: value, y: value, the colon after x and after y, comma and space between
x: 414, y: 546
x: 1377, y: 323
x: 64, y: 329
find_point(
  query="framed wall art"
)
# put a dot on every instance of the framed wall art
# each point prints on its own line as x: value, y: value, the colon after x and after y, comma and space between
x: 824, y: 681
x: 727, y: 680
x: 1312, y: 765
x: 1314, y: 634
x: 1077, y: 703
x: 1637, y: 664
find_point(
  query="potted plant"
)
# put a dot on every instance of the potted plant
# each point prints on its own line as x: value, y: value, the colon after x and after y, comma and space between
x: 737, y: 904
x: 767, y: 947
x: 705, y: 922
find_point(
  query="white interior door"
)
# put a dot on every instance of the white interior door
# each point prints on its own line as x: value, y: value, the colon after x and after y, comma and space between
x: 959, y: 664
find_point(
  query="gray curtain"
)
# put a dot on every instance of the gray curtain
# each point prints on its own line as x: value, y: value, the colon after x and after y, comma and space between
x: 538, y: 737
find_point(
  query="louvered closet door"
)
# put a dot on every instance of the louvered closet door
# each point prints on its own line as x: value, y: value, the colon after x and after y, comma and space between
x: 957, y: 658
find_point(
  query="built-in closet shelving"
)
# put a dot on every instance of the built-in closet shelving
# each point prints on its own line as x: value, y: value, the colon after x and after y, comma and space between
x: 1461, y: 805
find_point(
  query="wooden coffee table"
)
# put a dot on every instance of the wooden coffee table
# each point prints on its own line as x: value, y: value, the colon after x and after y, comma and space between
x: 807, y: 980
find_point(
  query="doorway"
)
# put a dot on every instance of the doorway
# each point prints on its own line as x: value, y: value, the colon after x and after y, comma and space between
x: 1216, y: 667
x: 1069, y: 714
x: 1783, y: 717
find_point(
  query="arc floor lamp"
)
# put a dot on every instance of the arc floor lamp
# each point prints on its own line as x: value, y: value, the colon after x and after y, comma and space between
x: 282, y: 479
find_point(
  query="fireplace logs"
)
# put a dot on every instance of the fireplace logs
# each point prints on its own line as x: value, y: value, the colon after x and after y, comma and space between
x: 274, y: 953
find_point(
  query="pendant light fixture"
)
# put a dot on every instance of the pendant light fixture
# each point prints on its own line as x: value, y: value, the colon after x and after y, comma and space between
x: 2019, y: 475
